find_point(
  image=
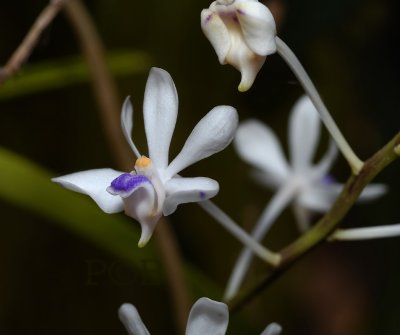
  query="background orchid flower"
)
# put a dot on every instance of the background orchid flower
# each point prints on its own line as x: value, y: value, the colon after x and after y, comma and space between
x: 153, y: 188
x: 207, y: 317
x: 300, y: 182
x: 311, y: 186
x: 242, y: 33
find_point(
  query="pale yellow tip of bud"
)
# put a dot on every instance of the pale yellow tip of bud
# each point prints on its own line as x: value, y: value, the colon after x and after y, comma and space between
x: 142, y: 162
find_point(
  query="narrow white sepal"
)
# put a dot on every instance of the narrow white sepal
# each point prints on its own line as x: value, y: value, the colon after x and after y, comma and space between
x: 94, y: 184
x: 366, y: 233
x: 212, y: 134
x: 130, y: 318
x: 207, y: 317
x: 160, y: 109
x: 184, y: 190
x: 272, y: 329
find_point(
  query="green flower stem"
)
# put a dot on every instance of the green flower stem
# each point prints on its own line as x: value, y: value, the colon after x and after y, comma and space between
x: 328, y: 224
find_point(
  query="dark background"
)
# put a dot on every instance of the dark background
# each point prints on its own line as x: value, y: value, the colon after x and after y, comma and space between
x: 55, y: 282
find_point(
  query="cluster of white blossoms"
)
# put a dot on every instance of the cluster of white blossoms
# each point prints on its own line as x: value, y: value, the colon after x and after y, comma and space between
x: 243, y: 34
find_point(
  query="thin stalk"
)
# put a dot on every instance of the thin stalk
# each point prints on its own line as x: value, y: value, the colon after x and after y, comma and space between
x: 366, y: 233
x: 290, y: 58
x: 232, y: 227
x: 277, y: 204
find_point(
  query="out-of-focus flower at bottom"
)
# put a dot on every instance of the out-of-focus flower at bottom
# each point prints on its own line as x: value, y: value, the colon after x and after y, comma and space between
x: 206, y: 317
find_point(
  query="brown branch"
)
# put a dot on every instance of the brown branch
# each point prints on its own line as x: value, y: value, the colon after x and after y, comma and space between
x: 109, y: 104
x: 22, y: 53
x: 321, y: 231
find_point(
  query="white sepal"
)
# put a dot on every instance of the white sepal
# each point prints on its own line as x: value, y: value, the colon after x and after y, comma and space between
x: 94, y: 184
x: 160, y: 109
x: 130, y: 318
x: 216, y: 32
x: 272, y: 329
x: 208, y: 317
x: 304, y: 129
x: 258, y: 27
x: 257, y: 145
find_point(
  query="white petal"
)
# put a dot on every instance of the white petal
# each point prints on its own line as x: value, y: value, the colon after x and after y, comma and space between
x: 183, y: 190
x: 208, y: 317
x: 257, y: 145
x: 258, y: 27
x: 372, y: 191
x: 130, y: 317
x: 160, y: 109
x: 212, y: 134
x: 304, y: 128
x: 272, y: 329
x: 216, y: 32
x: 94, y: 183
x: 127, y: 124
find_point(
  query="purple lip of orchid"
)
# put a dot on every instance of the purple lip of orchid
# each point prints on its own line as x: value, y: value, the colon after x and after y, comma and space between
x: 126, y: 183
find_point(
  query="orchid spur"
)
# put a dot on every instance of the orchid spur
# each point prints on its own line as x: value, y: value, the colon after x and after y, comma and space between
x: 307, y: 186
x: 207, y: 317
x: 154, y: 187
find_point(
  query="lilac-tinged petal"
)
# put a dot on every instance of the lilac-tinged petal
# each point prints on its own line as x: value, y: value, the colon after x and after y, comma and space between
x: 304, y: 128
x: 127, y: 124
x: 258, y: 27
x: 216, y: 32
x: 272, y: 329
x: 130, y: 318
x: 94, y: 183
x: 183, y: 190
x: 257, y: 145
x: 125, y: 184
x: 212, y: 134
x: 208, y: 317
x: 160, y: 109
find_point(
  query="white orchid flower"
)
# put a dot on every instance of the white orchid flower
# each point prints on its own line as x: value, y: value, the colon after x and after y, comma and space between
x: 207, y: 317
x: 300, y: 182
x: 154, y: 188
x: 242, y: 33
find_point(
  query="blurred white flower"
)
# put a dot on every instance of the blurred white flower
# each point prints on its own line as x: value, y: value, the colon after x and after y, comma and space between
x: 207, y: 317
x: 153, y: 188
x: 242, y: 33
x: 300, y: 182
x: 311, y: 186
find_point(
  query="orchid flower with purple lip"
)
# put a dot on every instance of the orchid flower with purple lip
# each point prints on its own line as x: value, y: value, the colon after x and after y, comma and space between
x: 154, y: 187
x: 300, y: 182
x: 242, y: 33
x: 207, y: 317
